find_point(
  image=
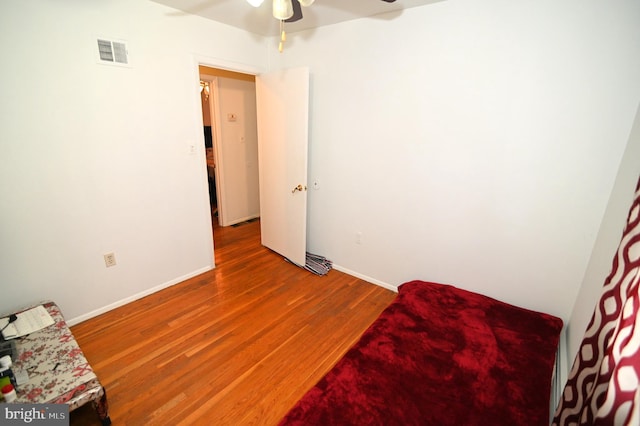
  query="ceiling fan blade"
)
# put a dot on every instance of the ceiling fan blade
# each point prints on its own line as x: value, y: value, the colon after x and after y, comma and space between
x: 389, y: 1
x: 297, y: 11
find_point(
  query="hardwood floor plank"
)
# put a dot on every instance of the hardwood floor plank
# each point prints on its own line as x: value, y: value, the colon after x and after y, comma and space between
x: 236, y: 345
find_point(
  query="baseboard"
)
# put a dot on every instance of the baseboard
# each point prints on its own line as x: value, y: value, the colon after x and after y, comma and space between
x: 107, y: 308
x: 365, y: 278
x: 240, y: 220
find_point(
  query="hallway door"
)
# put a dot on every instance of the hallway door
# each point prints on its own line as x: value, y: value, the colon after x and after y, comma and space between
x: 283, y: 108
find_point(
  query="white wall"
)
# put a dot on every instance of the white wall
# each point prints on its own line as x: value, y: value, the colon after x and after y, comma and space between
x: 607, y: 242
x: 238, y: 148
x: 470, y: 142
x: 96, y: 159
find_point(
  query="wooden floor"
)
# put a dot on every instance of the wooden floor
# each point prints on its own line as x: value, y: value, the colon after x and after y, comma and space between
x: 238, y: 345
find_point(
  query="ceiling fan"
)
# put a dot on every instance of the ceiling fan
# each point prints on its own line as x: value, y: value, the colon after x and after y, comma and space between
x: 288, y: 11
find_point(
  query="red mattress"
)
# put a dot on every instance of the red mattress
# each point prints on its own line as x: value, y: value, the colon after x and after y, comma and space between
x: 439, y: 355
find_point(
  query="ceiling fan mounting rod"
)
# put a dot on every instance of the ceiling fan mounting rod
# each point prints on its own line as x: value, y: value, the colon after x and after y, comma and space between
x: 283, y: 37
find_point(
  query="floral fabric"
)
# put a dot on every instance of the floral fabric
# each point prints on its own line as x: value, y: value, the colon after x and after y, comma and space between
x: 58, y: 370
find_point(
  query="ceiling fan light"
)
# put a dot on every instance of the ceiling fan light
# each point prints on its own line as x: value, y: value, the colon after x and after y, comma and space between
x: 255, y: 3
x: 306, y: 3
x: 282, y: 9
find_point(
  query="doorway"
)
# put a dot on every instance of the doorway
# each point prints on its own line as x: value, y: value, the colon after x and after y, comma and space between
x: 231, y: 143
x: 205, y: 99
x: 280, y: 102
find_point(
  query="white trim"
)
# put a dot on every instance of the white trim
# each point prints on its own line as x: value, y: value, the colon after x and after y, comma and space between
x: 216, y: 124
x: 137, y: 296
x: 208, y: 61
x: 366, y: 278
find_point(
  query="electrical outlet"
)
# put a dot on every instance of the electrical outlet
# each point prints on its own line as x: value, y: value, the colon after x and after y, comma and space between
x: 358, y: 237
x: 110, y: 260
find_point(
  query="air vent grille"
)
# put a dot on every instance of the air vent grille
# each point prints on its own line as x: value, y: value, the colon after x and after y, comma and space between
x: 120, y: 52
x: 112, y: 52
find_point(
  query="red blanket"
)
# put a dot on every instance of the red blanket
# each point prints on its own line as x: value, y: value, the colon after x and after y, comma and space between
x: 439, y: 355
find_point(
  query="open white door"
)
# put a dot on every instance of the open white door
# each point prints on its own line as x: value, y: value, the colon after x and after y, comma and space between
x: 283, y: 108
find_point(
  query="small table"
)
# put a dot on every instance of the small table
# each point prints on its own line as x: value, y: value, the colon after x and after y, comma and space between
x: 58, y: 371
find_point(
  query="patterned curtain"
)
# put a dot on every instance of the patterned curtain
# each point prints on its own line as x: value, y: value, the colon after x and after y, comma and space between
x: 603, y: 386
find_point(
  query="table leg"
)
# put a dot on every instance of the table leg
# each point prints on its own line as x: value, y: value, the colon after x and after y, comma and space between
x: 102, y: 408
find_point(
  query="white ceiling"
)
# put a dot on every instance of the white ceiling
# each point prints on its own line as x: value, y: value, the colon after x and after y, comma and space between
x: 240, y: 14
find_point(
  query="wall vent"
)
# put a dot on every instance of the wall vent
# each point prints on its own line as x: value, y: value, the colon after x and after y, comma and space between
x: 113, y: 52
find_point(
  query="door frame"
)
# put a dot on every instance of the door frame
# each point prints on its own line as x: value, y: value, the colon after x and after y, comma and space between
x: 207, y: 61
x: 216, y: 136
x: 216, y: 63
x: 236, y: 144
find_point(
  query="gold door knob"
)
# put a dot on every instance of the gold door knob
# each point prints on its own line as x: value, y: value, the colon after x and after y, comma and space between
x: 299, y: 188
